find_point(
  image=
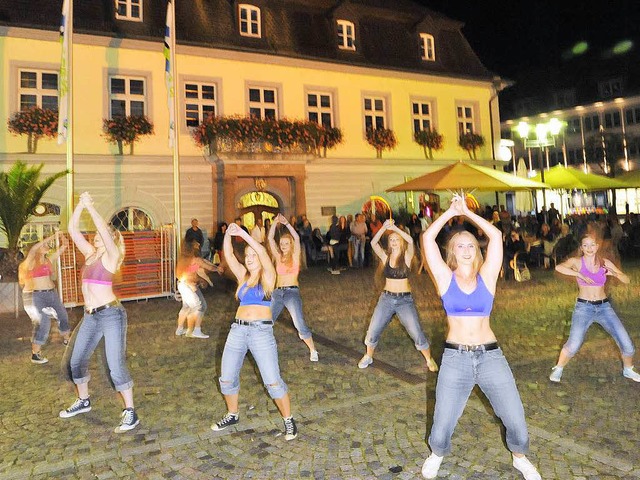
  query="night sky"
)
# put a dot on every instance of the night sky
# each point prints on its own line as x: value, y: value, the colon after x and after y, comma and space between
x: 515, y: 35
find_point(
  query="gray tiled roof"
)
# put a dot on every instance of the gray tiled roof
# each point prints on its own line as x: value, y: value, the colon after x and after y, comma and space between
x: 386, y: 30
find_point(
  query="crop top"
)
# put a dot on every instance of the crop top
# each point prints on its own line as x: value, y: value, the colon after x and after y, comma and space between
x: 599, y: 278
x: 193, y: 268
x: 42, y: 270
x: 457, y: 303
x: 284, y: 269
x: 252, y: 296
x: 396, y: 273
x: 96, y: 273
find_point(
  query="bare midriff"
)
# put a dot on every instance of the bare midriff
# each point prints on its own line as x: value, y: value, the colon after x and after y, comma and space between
x: 287, y: 280
x: 470, y: 330
x: 96, y: 295
x: 250, y: 313
x: 397, y: 285
x: 591, y: 293
x: 42, y: 283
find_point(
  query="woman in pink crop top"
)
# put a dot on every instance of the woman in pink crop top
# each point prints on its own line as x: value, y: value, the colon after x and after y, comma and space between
x: 396, y: 298
x: 104, y: 316
x: 287, y: 292
x: 591, y: 270
x: 252, y: 331
x: 471, y: 355
x: 36, y: 276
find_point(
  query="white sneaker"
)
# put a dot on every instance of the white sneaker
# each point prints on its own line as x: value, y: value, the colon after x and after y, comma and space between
x: 180, y: 331
x: 313, y: 356
x: 197, y: 333
x: 556, y: 374
x: 529, y: 472
x: 630, y: 373
x: 335, y: 272
x: 365, y: 361
x: 431, y: 466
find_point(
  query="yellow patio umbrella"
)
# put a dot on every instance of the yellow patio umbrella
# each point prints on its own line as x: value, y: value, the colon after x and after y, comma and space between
x: 468, y: 177
x: 568, y: 178
x: 632, y: 179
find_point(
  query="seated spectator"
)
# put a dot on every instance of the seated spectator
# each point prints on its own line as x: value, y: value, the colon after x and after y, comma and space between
x: 512, y: 245
x: 566, y: 244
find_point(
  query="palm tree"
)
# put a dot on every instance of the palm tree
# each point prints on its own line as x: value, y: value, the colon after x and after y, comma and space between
x: 20, y: 192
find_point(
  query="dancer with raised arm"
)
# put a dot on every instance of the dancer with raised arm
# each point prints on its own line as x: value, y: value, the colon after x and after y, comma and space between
x: 591, y: 270
x: 396, y: 298
x: 287, y: 292
x: 467, y: 286
x: 252, y: 330
x: 104, y: 315
x: 36, y: 276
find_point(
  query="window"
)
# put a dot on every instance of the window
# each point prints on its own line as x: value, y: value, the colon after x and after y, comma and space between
x: 375, y: 113
x: 422, y: 116
x: 129, y: 10
x: 127, y: 96
x: 346, y: 35
x: 564, y: 98
x: 632, y: 115
x: 612, y: 119
x: 200, y: 102
x: 573, y: 125
x: 610, y: 88
x: 427, y: 47
x: 465, y: 119
x: 249, y: 20
x: 320, y: 108
x: 38, y: 89
x: 591, y: 122
x: 131, y: 219
x: 263, y: 102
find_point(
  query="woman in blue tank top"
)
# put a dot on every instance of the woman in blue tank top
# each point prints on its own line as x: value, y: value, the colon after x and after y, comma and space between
x: 592, y: 305
x: 471, y: 356
x: 252, y: 331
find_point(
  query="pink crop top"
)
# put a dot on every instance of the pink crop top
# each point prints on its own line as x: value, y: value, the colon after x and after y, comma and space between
x: 284, y: 269
x: 96, y: 273
x: 42, y: 270
x: 599, y: 278
x: 193, y: 268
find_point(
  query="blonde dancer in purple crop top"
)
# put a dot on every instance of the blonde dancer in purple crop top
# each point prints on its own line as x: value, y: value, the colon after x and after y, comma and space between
x: 592, y: 305
x: 471, y: 356
x: 104, y: 316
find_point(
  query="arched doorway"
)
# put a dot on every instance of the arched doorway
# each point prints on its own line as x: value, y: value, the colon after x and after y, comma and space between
x: 254, y: 205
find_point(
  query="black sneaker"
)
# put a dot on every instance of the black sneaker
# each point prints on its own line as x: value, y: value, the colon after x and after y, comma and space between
x: 290, y: 428
x: 226, y: 421
x: 129, y: 421
x: 38, y: 358
x: 81, y: 405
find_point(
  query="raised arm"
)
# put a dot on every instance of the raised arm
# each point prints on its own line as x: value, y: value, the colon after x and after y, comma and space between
x: 76, y: 235
x: 64, y: 243
x: 269, y: 271
x: 227, y: 248
x: 294, y: 234
x: 271, y: 237
x: 375, y: 241
x: 437, y: 266
x: 112, y: 251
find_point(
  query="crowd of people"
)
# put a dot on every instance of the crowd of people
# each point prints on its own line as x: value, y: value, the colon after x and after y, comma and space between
x: 466, y: 252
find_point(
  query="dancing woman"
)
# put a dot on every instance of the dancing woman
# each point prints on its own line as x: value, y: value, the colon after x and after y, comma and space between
x: 396, y: 297
x: 104, y: 315
x: 592, y: 305
x: 287, y: 292
x: 467, y: 286
x: 252, y: 330
x: 36, y: 276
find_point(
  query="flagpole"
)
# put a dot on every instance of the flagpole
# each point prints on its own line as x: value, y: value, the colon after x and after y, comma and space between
x: 65, y: 96
x: 70, y: 163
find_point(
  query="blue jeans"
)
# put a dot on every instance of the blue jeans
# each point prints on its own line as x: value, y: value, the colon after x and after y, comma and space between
x: 358, y: 251
x: 584, y: 314
x: 111, y: 324
x: 290, y: 298
x: 402, y: 306
x: 259, y: 340
x: 459, y: 372
x: 34, y: 302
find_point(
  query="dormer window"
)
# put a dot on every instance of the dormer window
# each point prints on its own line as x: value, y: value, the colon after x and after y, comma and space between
x: 249, y: 21
x: 129, y: 10
x: 427, y: 47
x: 346, y: 35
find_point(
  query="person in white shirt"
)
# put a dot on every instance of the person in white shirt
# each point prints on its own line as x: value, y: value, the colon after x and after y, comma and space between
x: 257, y: 232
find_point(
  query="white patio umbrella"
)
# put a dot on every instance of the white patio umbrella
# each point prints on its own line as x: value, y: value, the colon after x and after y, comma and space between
x: 524, y: 202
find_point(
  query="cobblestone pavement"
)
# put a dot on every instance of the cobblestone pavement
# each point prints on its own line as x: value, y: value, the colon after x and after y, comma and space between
x: 354, y: 424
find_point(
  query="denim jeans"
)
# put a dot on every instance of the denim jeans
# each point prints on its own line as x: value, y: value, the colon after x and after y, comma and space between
x: 34, y: 303
x: 192, y: 301
x: 404, y: 307
x: 259, y: 340
x: 358, y: 251
x: 290, y: 298
x: 459, y: 372
x: 584, y: 314
x: 111, y: 324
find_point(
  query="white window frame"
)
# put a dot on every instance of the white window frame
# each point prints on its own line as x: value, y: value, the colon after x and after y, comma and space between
x: 261, y: 104
x: 128, y: 97
x: 466, y: 116
x: 199, y: 102
x: 39, y: 91
x: 318, y: 108
x: 129, y: 4
x: 427, y: 47
x: 420, y: 116
x: 373, y: 112
x: 344, y: 37
x: 248, y: 22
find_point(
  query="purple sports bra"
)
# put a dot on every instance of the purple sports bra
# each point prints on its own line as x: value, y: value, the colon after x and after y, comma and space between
x: 599, y: 278
x: 457, y: 303
x: 96, y: 273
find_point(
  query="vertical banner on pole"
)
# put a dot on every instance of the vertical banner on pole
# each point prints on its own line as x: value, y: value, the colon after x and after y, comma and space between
x: 63, y: 82
x: 169, y: 61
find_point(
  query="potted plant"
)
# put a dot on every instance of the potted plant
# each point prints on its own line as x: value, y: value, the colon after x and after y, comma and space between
x: 429, y: 140
x: 35, y: 122
x: 328, y: 137
x: 471, y: 142
x: 381, y: 139
x: 126, y: 130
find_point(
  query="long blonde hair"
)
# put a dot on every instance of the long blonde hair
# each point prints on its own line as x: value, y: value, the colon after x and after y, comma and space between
x: 288, y: 258
x: 451, y: 258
